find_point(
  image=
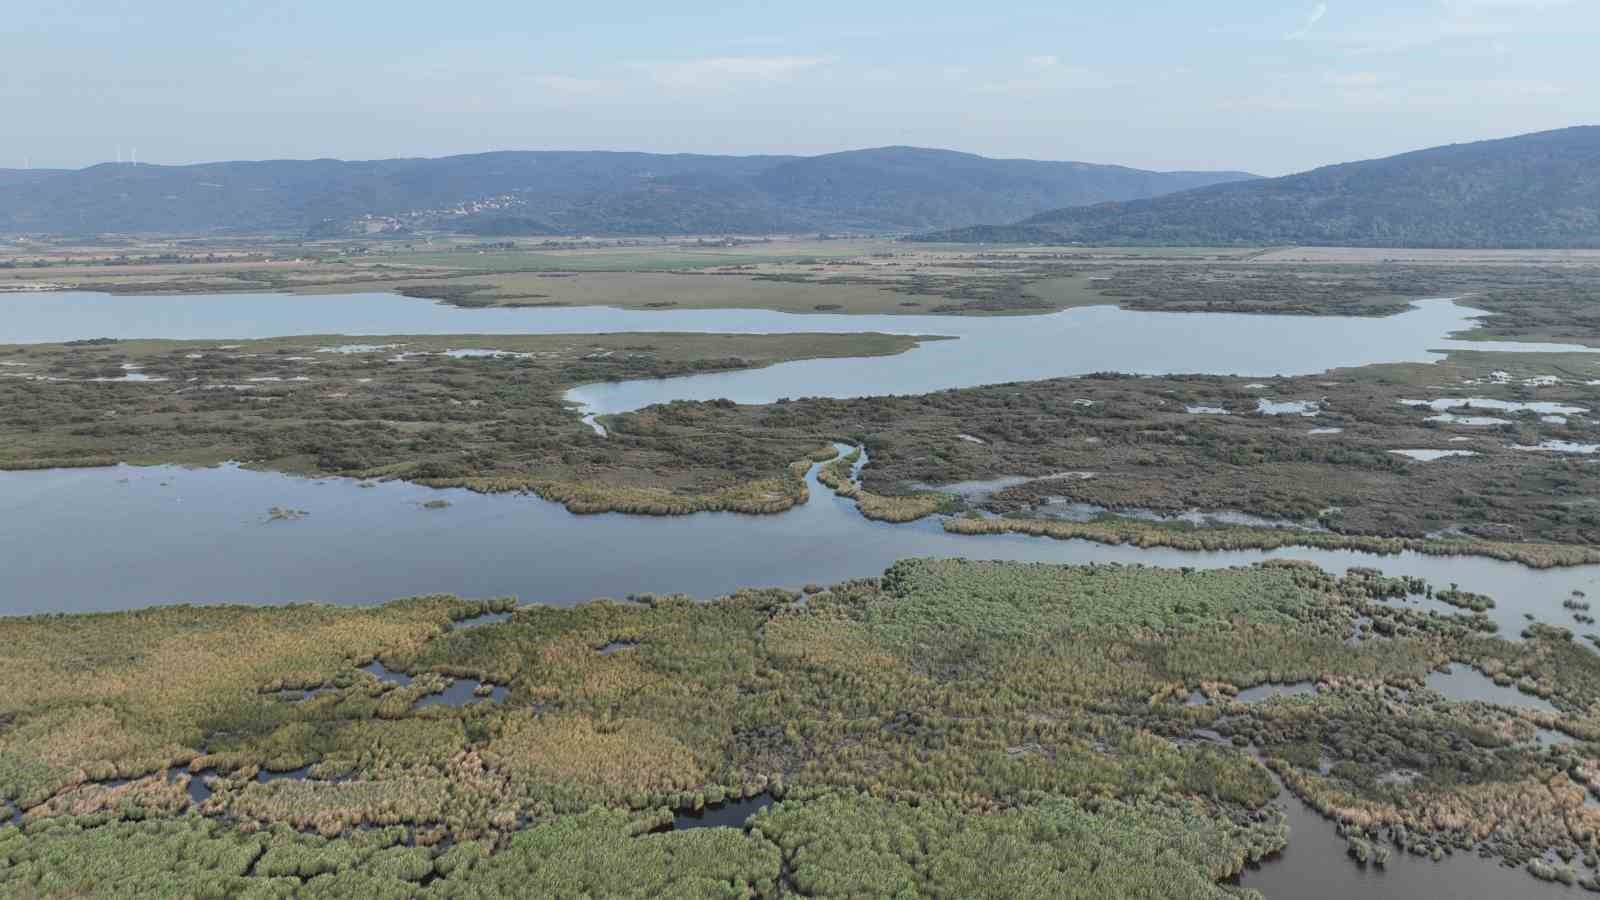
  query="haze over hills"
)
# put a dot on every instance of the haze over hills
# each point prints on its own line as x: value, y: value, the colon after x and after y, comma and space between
x: 579, y: 192
x: 1535, y: 190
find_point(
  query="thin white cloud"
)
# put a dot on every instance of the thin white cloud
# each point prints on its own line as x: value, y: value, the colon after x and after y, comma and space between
x: 1042, y: 62
x: 1316, y: 15
x: 567, y: 85
x: 1353, y: 80
x: 726, y: 72
x: 1052, y: 79
x: 1514, y: 5
x: 1463, y: 22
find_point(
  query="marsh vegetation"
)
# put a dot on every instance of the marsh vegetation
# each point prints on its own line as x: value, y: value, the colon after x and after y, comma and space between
x: 416, y: 408
x: 951, y: 728
x: 978, y: 705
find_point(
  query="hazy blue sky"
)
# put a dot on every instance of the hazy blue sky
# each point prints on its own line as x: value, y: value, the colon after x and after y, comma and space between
x: 1268, y: 86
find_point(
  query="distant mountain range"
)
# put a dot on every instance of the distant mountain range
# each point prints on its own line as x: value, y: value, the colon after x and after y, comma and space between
x: 890, y: 189
x: 1536, y: 190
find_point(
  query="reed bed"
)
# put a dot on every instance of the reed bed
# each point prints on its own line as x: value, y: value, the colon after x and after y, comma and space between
x: 977, y: 710
x: 879, y: 507
x: 1537, y: 556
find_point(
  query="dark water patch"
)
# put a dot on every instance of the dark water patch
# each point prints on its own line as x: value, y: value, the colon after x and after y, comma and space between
x: 298, y: 695
x: 480, y: 620
x: 461, y: 692
x: 1427, y: 603
x: 616, y: 647
x: 1464, y: 684
x: 386, y: 675
x: 729, y: 814
x: 1255, y: 694
x: 1361, y: 630
x: 300, y: 774
x: 199, y: 787
x: 1268, y: 691
x: 1549, y: 737
x: 1316, y: 866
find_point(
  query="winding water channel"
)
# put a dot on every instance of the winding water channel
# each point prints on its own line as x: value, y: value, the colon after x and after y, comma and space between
x: 117, y: 538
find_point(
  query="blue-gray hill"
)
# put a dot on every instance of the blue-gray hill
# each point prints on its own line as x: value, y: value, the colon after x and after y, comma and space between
x: 1535, y: 190
x: 891, y: 189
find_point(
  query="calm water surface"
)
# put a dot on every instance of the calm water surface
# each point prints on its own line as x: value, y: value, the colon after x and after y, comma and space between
x: 76, y: 540
x: 1315, y: 867
x: 990, y: 350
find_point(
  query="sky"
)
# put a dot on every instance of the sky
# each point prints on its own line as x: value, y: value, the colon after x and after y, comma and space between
x: 1268, y: 87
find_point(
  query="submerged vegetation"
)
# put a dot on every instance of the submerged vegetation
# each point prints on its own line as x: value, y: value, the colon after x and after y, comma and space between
x: 951, y: 728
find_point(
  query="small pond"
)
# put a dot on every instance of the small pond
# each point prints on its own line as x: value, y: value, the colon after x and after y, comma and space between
x: 730, y: 814
x: 1316, y: 867
x: 1465, y: 684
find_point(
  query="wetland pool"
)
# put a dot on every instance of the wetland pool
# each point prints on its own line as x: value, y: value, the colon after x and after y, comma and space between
x: 1316, y: 867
